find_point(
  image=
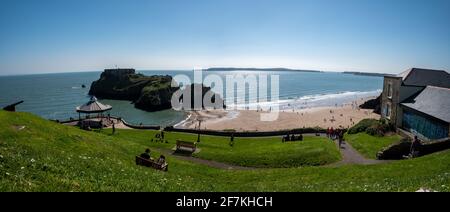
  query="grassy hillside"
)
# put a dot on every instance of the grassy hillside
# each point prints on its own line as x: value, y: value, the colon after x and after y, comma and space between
x: 251, y: 152
x: 45, y: 156
x: 369, y: 145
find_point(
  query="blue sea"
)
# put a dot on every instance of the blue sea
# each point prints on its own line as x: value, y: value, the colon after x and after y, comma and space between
x: 55, y: 96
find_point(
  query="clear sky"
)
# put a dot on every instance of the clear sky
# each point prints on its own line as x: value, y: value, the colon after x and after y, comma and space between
x: 332, y: 35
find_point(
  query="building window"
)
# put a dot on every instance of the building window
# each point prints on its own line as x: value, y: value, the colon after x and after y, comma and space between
x: 389, y: 90
x: 388, y: 110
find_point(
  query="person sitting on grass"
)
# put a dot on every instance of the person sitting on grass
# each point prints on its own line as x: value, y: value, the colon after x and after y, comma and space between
x: 146, y: 154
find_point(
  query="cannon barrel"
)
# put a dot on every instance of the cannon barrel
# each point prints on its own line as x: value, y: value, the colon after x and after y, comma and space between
x: 12, y: 107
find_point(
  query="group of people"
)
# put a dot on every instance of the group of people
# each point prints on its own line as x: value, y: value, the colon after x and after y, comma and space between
x: 146, y: 155
x: 292, y: 137
x: 336, y: 134
x: 159, y: 137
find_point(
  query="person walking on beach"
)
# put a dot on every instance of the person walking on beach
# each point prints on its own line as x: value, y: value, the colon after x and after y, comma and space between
x: 113, y: 128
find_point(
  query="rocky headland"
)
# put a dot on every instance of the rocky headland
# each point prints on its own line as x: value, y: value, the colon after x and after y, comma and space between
x: 149, y: 93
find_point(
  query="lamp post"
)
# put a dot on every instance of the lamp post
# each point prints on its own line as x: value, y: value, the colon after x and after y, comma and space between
x: 199, y: 124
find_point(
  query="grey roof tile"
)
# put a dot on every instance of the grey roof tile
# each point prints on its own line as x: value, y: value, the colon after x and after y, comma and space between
x: 433, y: 101
x: 425, y: 77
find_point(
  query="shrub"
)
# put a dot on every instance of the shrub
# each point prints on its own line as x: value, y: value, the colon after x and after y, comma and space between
x: 387, y: 127
x: 372, y: 127
x: 372, y: 130
x: 362, y: 126
x: 375, y: 130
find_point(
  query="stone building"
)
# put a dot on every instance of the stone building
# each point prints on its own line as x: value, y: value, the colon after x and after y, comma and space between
x: 418, y: 100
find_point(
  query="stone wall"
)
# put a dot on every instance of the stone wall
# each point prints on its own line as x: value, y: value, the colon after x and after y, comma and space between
x: 247, y: 134
x: 392, y: 100
x: 400, y: 150
x: 119, y: 72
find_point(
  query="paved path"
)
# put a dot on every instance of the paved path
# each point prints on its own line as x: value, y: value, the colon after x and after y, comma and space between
x: 351, y: 156
x: 211, y: 163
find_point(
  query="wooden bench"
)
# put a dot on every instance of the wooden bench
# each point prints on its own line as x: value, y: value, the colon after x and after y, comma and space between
x: 186, y: 146
x: 151, y: 163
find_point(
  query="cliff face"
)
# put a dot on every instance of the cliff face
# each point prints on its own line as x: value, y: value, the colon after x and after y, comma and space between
x: 149, y: 93
x: 209, y: 100
x: 374, y: 104
x: 156, y: 96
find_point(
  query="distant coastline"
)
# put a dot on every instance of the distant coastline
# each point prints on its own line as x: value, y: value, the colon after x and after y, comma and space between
x: 260, y: 69
x: 367, y: 74
x: 294, y: 70
x: 209, y: 69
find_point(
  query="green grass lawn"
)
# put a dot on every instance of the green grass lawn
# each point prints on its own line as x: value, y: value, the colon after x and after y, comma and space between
x: 45, y: 156
x: 270, y: 152
x: 250, y: 152
x: 369, y: 145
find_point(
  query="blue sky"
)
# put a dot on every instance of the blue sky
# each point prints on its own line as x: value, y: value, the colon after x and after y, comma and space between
x: 332, y: 35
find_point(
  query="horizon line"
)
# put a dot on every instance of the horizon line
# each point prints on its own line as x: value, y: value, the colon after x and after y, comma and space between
x: 152, y: 69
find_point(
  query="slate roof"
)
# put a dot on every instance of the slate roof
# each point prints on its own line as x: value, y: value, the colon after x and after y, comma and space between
x: 425, y: 77
x: 93, y: 106
x: 433, y: 101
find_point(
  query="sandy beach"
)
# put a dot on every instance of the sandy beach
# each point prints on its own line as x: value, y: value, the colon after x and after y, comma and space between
x: 244, y: 120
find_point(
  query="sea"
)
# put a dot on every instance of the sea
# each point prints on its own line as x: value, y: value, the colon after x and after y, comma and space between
x: 55, y: 96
